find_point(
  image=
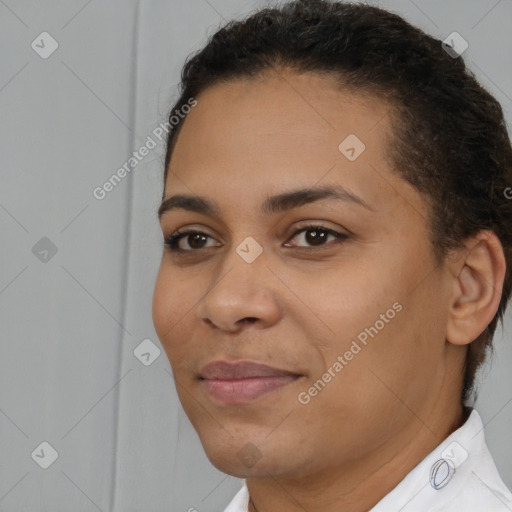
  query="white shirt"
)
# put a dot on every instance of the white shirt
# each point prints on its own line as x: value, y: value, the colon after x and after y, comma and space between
x: 461, y: 468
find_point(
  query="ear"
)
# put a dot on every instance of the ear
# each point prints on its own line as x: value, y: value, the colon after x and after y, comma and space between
x: 479, y: 272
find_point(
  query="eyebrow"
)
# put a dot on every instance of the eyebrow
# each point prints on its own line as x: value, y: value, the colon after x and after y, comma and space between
x: 271, y: 206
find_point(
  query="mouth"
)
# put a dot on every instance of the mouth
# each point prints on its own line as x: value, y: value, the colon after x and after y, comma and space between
x: 242, y: 382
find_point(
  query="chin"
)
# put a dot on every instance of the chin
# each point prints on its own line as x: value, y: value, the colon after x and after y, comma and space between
x: 242, y: 458
x: 232, y: 465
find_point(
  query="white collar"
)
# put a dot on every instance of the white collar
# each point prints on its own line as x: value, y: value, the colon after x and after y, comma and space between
x: 461, y: 468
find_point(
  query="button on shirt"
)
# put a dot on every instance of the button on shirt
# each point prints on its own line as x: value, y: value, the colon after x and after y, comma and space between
x: 458, y: 476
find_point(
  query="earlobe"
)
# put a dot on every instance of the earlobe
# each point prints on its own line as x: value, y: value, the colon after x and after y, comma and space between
x: 477, y: 288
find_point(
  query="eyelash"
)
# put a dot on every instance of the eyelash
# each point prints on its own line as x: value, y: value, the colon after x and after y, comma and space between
x: 173, y: 241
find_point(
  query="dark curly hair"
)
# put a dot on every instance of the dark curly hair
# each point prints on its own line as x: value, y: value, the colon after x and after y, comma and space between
x: 449, y: 137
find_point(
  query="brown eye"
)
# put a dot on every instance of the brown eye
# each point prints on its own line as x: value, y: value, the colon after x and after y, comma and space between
x: 317, y: 236
x: 195, y: 239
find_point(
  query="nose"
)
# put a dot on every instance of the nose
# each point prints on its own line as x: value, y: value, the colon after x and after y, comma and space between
x: 240, y: 294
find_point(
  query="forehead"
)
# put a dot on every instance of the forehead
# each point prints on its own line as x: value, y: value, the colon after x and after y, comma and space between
x: 291, y: 104
x: 298, y: 105
x: 281, y: 131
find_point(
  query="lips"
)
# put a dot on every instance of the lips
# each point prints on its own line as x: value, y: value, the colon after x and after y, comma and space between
x: 241, y: 370
x: 242, y: 382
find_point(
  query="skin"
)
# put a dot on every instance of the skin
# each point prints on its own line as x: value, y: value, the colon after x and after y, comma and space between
x: 299, y: 306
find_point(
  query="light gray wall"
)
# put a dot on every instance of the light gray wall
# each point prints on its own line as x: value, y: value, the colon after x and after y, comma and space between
x: 70, y: 321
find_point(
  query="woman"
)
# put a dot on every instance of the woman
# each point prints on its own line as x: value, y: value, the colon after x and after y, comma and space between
x: 337, y: 257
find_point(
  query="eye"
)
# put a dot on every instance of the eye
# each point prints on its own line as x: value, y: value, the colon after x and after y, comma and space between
x: 319, y: 235
x: 195, y: 240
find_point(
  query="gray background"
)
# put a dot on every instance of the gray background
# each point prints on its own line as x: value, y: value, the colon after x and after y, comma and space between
x: 70, y: 321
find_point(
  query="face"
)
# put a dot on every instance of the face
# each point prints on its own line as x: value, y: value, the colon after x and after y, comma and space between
x: 302, y: 328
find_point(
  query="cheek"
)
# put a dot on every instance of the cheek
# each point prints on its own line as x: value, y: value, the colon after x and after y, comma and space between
x: 383, y: 311
x: 381, y: 380
x: 393, y: 371
x: 349, y: 297
x: 169, y: 309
